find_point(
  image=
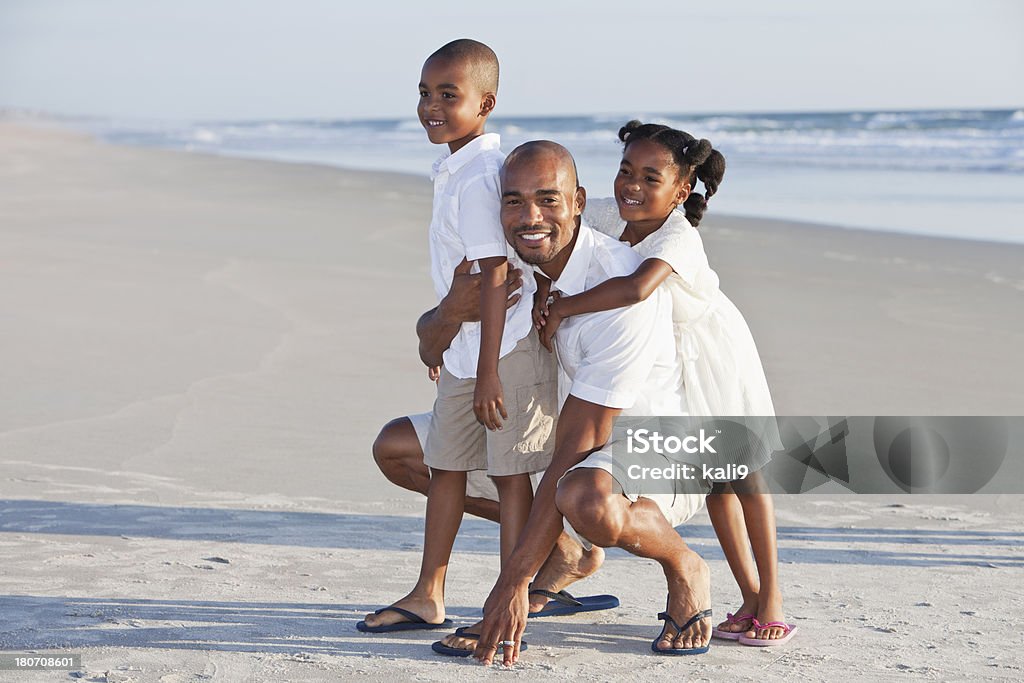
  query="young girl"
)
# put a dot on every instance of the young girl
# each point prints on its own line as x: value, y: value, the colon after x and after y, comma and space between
x: 656, y: 211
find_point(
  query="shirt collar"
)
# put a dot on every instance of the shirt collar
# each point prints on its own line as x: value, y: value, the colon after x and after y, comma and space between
x: 453, y: 162
x: 573, y: 279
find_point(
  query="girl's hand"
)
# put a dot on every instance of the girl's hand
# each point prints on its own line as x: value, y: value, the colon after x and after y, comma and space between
x: 489, y: 401
x: 553, y: 320
x: 540, y: 311
x: 434, y: 373
x: 541, y: 308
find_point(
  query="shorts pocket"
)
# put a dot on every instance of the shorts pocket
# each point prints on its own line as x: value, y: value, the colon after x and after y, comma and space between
x: 536, y: 415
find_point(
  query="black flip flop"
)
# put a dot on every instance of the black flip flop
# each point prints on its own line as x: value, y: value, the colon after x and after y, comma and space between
x: 664, y: 616
x: 564, y: 603
x: 442, y: 649
x: 415, y: 623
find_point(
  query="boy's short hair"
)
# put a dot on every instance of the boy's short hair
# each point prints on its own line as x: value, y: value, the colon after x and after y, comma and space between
x: 482, y: 60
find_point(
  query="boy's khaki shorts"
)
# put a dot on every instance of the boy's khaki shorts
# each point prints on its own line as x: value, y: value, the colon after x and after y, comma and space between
x: 525, y: 444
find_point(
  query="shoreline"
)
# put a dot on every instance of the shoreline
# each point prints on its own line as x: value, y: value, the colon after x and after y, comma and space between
x: 201, y: 349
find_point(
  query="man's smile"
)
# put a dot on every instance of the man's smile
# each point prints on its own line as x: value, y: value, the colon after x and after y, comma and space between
x: 532, y: 238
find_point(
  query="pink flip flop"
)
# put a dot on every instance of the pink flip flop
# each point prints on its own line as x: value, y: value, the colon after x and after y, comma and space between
x: 732, y: 619
x: 788, y: 631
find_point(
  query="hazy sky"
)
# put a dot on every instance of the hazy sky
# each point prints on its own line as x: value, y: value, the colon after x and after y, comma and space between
x: 258, y: 59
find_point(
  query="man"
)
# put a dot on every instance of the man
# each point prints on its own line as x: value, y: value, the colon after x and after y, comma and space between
x: 619, y: 360
x: 398, y: 452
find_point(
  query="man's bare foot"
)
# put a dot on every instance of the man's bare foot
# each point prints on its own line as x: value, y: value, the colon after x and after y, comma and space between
x: 769, y: 610
x: 749, y: 610
x: 463, y: 642
x: 689, y: 592
x: 567, y: 564
x: 432, y: 611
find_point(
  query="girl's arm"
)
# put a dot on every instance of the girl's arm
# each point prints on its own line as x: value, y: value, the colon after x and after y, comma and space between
x: 615, y: 292
x: 488, y: 398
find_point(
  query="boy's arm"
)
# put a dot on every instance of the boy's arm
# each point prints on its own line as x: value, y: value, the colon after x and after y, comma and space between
x: 488, y: 398
x: 437, y: 327
x: 615, y: 292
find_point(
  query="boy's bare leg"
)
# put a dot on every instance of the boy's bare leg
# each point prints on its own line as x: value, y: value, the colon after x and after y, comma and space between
x: 606, y: 518
x: 445, y: 499
x: 399, y: 456
x: 726, y: 514
x: 515, y: 493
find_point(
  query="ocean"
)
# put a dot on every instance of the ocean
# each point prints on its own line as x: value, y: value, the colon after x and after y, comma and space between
x: 956, y: 174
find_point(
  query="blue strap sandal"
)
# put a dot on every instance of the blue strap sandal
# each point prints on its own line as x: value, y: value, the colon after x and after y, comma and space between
x: 442, y: 649
x: 415, y: 622
x: 664, y: 616
x: 564, y: 603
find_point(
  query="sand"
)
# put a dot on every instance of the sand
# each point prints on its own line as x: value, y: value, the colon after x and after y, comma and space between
x: 198, y: 351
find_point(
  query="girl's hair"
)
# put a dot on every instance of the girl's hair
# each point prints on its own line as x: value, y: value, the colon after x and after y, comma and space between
x: 697, y: 160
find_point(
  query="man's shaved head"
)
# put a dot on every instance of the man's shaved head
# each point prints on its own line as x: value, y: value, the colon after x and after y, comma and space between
x: 480, y: 59
x: 538, y: 149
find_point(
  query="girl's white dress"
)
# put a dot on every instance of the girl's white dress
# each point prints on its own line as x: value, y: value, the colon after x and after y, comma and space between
x: 722, y: 372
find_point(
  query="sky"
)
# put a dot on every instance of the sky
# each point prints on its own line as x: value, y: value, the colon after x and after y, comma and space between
x: 303, y: 59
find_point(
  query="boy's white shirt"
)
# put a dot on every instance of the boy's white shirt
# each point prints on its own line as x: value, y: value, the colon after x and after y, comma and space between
x: 466, y: 224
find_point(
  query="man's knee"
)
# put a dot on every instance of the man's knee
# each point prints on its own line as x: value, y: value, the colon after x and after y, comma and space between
x: 391, y: 448
x: 592, y: 510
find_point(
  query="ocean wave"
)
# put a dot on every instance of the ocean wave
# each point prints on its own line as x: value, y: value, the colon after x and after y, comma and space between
x: 991, y: 141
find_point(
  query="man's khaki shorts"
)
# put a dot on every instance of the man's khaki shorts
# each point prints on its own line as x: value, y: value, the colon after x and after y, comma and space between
x: 676, y: 507
x: 526, y: 442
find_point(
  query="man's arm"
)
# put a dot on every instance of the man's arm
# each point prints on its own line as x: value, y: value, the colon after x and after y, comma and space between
x: 583, y: 427
x: 437, y: 327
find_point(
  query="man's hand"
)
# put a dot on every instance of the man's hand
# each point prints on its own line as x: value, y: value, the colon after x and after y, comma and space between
x: 505, y: 613
x: 437, y: 327
x: 462, y: 303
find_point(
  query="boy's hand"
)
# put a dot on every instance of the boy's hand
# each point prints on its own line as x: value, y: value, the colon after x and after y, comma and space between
x: 489, y: 401
x: 434, y: 373
x: 553, y: 320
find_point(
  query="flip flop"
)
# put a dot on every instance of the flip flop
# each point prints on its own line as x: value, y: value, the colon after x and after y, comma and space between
x: 664, y: 616
x: 563, y: 603
x: 415, y: 623
x: 442, y: 649
x: 732, y: 619
x: 788, y: 631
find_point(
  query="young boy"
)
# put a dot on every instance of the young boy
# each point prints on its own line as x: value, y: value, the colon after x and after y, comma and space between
x: 497, y: 390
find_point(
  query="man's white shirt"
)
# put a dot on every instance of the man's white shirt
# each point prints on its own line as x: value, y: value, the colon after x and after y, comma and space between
x: 623, y: 358
x: 466, y: 224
